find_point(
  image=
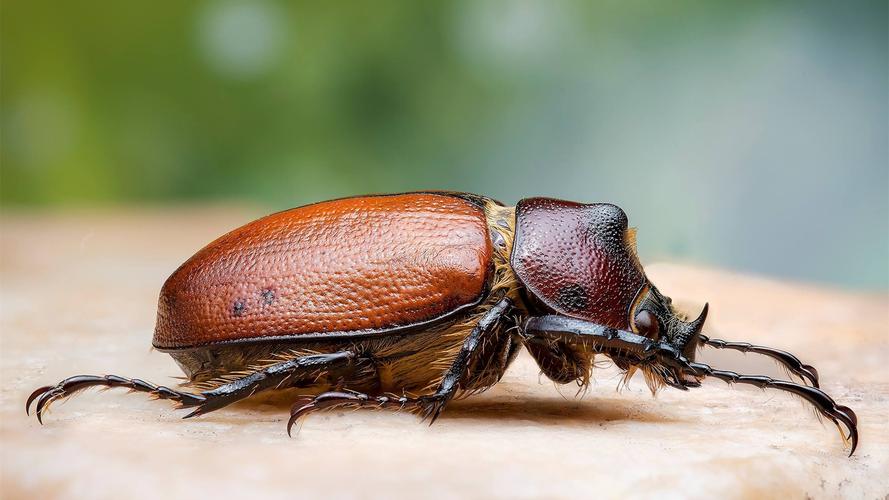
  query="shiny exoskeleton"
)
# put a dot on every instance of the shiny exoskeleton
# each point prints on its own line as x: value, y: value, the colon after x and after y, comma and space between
x: 405, y: 301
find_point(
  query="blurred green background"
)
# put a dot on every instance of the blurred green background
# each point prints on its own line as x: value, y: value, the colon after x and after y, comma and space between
x: 748, y: 135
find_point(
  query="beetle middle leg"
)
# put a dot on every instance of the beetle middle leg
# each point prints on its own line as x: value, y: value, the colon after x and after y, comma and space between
x: 353, y: 399
x: 456, y: 377
x: 433, y: 404
x: 274, y: 376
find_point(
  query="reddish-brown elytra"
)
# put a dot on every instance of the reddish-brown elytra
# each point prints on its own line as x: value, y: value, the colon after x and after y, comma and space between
x: 403, y: 301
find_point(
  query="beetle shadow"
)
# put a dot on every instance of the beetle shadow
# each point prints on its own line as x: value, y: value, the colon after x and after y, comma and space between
x: 539, y: 409
x: 553, y: 410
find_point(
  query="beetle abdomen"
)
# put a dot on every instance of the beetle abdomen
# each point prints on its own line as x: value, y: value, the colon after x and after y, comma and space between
x: 345, y: 267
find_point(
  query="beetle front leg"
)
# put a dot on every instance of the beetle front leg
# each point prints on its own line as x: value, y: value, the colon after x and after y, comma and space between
x: 807, y: 373
x: 671, y: 362
x: 823, y: 403
x: 562, y: 328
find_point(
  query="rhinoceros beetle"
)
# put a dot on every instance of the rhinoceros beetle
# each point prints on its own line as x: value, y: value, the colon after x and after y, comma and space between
x: 404, y: 301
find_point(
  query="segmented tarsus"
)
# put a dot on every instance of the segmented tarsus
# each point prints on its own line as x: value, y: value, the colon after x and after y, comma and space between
x: 807, y: 373
x: 46, y: 395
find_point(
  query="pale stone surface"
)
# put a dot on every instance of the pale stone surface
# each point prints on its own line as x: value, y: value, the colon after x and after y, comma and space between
x: 79, y: 294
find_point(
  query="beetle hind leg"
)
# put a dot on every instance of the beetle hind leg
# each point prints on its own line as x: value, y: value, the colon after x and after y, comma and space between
x: 272, y: 377
x: 276, y: 376
x: 45, y: 396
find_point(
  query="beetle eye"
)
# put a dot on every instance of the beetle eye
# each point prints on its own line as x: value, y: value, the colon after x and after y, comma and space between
x: 647, y: 324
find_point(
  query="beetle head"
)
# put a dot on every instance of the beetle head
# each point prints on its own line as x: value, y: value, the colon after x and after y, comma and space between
x: 655, y: 317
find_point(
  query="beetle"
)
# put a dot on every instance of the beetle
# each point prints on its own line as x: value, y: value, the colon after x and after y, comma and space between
x: 405, y: 301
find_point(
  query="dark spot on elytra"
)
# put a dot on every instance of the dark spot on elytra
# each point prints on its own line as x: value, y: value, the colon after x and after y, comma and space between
x: 573, y: 297
x: 238, y: 308
x: 267, y: 296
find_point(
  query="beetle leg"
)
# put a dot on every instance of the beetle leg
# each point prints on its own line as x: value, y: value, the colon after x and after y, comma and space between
x: 603, y: 338
x: 560, y: 327
x: 430, y: 406
x: 838, y: 414
x: 45, y: 396
x: 203, y: 402
x: 333, y: 399
x: 492, y: 362
x: 271, y: 377
x: 807, y: 373
x: 433, y: 404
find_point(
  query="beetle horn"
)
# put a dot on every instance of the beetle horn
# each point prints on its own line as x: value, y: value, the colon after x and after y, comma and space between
x: 697, y: 325
x: 688, y: 334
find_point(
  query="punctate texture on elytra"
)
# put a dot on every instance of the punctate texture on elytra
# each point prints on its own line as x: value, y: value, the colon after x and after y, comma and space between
x: 350, y: 265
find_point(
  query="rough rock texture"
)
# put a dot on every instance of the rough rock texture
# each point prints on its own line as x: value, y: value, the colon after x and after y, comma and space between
x: 79, y: 293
